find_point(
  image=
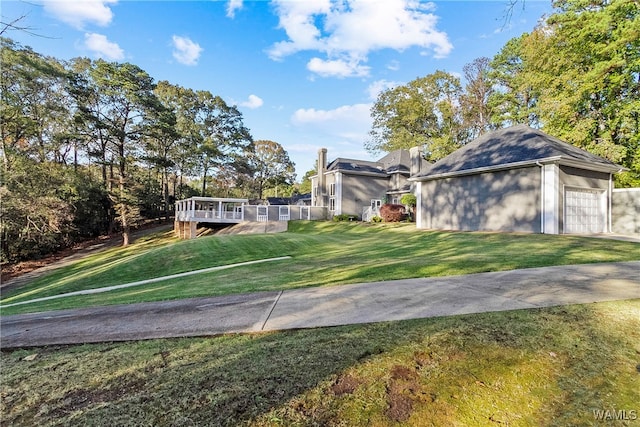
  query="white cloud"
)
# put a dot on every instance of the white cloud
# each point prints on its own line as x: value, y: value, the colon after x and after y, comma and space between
x: 79, y: 13
x: 337, y: 68
x: 393, y: 65
x: 351, y: 122
x: 185, y: 51
x: 297, y: 19
x: 232, y: 6
x: 380, y: 86
x: 253, y: 102
x: 102, y: 47
x: 353, y: 28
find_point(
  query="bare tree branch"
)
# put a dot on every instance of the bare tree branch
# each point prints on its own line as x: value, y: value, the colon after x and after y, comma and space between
x: 13, y: 26
x: 508, y: 12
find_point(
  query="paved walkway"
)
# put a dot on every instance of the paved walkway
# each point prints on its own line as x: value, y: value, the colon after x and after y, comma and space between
x: 328, y: 306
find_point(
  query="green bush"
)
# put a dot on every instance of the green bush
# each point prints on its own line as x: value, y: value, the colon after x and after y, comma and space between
x: 376, y: 219
x: 408, y: 200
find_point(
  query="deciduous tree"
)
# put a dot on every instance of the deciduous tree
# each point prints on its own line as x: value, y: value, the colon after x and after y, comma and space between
x: 271, y: 166
x: 425, y: 111
x: 126, y: 99
x: 475, y: 99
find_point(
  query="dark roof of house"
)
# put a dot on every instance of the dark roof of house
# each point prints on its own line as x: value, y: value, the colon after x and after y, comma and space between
x: 288, y: 200
x: 513, y: 146
x: 396, y: 161
x: 352, y: 165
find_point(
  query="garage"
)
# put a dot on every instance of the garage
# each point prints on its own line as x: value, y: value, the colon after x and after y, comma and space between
x: 517, y: 179
x: 584, y: 211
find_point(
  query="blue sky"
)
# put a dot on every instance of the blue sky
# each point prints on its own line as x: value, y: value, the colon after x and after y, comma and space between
x: 304, y: 73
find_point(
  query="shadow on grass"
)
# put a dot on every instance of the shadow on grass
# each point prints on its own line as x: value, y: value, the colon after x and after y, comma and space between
x: 529, y: 367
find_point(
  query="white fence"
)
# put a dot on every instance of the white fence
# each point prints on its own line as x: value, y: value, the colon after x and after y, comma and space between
x: 263, y: 213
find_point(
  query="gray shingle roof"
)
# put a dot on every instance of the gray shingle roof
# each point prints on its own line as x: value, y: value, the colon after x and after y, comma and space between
x: 512, y: 146
x: 396, y: 161
x: 352, y: 165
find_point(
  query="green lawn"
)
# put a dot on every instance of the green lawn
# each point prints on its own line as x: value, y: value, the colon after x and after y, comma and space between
x: 543, y: 367
x: 323, y: 254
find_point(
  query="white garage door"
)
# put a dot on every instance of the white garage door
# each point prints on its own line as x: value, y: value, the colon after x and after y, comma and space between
x: 583, y: 211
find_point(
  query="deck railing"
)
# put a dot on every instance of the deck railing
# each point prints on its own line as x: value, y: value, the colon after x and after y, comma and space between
x: 369, y: 212
x: 203, y: 209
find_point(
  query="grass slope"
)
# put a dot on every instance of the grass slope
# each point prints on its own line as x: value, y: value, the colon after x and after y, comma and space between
x: 324, y: 253
x: 544, y: 367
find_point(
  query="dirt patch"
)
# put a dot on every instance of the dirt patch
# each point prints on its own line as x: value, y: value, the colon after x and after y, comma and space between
x: 79, y: 399
x: 400, y: 407
x: 399, y: 372
x: 346, y: 384
x: 402, y: 392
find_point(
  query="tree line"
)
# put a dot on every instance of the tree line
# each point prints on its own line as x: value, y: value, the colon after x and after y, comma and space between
x: 576, y: 76
x: 93, y: 147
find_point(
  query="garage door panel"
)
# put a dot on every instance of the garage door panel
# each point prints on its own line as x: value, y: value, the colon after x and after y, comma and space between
x: 583, y: 211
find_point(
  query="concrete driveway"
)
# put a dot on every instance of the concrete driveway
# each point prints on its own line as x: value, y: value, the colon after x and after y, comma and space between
x: 328, y: 306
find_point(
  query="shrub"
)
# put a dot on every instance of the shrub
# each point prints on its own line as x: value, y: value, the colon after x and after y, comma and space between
x: 392, y: 213
x: 344, y: 217
x: 408, y: 200
x: 376, y: 219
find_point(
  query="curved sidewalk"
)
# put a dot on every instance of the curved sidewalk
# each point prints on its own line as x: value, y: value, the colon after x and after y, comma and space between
x: 327, y: 306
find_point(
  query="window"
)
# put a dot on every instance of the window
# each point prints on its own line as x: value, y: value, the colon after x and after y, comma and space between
x: 332, y: 189
x: 332, y: 204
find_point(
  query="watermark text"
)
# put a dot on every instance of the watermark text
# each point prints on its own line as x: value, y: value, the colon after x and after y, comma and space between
x: 615, y: 414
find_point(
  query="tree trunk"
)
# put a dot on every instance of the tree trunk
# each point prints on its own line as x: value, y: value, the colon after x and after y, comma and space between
x: 204, y: 183
x: 165, y: 195
x: 124, y: 217
x: 124, y: 208
x: 111, y: 217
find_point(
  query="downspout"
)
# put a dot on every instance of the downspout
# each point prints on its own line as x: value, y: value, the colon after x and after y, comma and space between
x: 609, y: 207
x: 542, y: 207
x: 338, y: 193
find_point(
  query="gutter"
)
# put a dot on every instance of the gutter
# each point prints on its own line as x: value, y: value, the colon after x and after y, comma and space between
x: 495, y: 168
x: 359, y: 173
x: 484, y: 169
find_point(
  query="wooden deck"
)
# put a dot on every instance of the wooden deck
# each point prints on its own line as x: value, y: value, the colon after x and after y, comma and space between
x: 211, y: 209
x: 189, y: 212
x: 216, y: 210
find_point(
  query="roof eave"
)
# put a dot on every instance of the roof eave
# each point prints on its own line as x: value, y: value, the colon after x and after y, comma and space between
x: 380, y: 174
x: 597, y: 167
x: 486, y: 169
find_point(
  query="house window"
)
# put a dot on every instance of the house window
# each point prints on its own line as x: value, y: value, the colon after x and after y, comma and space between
x: 332, y: 189
x: 332, y: 204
